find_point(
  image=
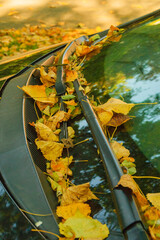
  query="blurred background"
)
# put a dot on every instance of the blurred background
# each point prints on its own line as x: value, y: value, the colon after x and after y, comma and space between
x: 27, y: 25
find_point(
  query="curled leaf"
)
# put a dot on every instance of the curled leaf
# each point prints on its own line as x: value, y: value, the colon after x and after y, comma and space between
x: 45, y: 133
x: 78, y: 193
x: 128, y: 182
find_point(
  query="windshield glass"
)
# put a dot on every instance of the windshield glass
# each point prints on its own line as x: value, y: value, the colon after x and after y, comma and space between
x: 129, y: 70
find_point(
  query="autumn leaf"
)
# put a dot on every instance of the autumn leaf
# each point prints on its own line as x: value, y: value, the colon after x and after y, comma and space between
x: 71, y: 75
x: 112, y: 34
x: 127, y: 181
x: 104, y: 116
x: 83, y: 50
x: 71, y: 132
x: 48, y: 79
x: 81, y: 226
x: 38, y: 93
x: 51, y: 150
x: 116, y: 105
x: 70, y: 210
x: 154, y: 198
x: 78, y: 193
x: 70, y: 103
x: 118, y: 119
x: 119, y: 150
x: 45, y: 133
x: 54, y: 121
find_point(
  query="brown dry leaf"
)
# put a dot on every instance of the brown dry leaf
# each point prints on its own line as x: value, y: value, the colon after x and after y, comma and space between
x: 51, y: 150
x: 116, y: 105
x: 128, y: 182
x: 154, y: 198
x: 38, y: 93
x: 119, y: 150
x: 71, y: 75
x: 42, y: 105
x: 118, y: 119
x: 45, y: 133
x: 79, y: 193
x: 70, y: 210
x: 83, y: 50
x: 53, y: 122
x: 48, y: 79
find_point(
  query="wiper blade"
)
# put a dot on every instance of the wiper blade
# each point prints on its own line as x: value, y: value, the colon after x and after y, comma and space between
x: 128, y: 215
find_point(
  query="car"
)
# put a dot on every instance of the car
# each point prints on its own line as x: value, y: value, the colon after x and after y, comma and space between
x: 127, y: 70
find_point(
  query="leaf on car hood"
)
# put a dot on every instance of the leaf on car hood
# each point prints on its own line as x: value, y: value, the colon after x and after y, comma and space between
x: 127, y: 181
x: 70, y: 210
x: 78, y: 193
x: 38, y: 93
x: 51, y: 150
x: 81, y: 226
x: 45, y: 133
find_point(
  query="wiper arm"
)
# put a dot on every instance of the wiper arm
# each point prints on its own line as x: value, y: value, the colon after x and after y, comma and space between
x: 128, y: 215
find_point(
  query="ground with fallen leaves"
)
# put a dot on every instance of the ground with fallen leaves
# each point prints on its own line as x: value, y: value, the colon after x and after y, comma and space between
x: 27, y: 25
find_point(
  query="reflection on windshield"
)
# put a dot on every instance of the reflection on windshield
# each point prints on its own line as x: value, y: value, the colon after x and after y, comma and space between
x: 129, y: 70
x: 13, y: 226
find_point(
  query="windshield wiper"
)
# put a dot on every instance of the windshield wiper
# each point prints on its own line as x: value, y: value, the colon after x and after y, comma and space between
x: 128, y: 214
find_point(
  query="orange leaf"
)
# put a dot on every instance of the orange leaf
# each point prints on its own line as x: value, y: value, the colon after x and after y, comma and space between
x: 71, y: 75
x: 70, y: 103
x: 128, y: 182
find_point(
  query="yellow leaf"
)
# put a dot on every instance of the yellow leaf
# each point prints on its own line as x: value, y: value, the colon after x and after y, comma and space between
x: 54, y: 121
x: 79, y: 193
x: 127, y: 181
x: 116, y: 105
x: 87, y: 89
x: 104, y: 116
x: 51, y: 150
x: 70, y: 210
x: 81, y: 226
x: 119, y: 150
x: 71, y: 132
x: 38, y: 93
x: 71, y: 75
x: 154, y: 198
x: 45, y: 133
x: 70, y: 103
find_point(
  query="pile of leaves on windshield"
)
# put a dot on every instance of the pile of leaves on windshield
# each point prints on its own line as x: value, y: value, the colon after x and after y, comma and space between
x: 73, y: 208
